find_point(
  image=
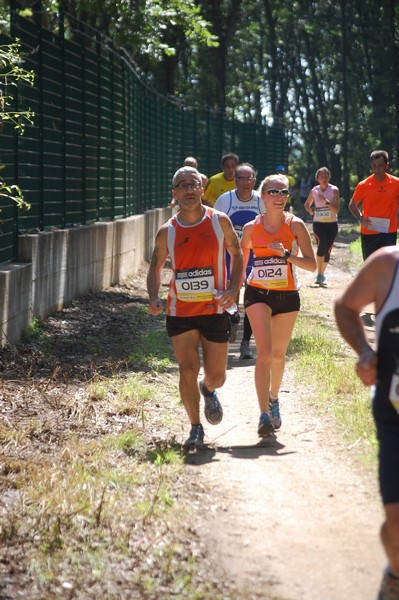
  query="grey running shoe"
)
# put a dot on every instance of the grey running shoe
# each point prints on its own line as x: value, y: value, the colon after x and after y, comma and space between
x: 389, y: 589
x: 245, y: 350
x: 196, y: 438
x: 213, y: 409
x: 275, y: 413
x: 265, y: 427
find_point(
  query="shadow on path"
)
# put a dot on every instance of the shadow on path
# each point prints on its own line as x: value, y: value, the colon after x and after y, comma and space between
x: 266, y: 447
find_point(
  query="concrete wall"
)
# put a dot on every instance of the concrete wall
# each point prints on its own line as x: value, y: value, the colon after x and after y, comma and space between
x: 55, y: 267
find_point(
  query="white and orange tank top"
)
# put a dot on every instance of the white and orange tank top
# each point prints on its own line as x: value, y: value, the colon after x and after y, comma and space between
x: 270, y: 271
x: 197, y: 254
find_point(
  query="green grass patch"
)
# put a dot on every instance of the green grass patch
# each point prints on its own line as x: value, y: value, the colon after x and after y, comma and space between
x: 324, y: 362
x: 34, y: 329
x: 153, y: 353
x: 348, y: 233
x: 123, y: 395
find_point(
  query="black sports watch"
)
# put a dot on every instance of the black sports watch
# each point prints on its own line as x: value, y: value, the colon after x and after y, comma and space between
x: 287, y: 254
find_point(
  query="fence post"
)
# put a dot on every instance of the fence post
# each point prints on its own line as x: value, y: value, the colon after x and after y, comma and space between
x: 61, y: 27
x: 98, y: 166
x: 40, y: 116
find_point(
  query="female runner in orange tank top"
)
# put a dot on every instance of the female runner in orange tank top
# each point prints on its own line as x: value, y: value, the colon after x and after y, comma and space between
x: 280, y: 243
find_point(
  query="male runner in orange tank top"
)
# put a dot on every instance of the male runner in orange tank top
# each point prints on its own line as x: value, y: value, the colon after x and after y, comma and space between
x: 196, y: 239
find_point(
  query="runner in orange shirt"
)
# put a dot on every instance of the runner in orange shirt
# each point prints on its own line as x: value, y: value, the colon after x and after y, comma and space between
x: 281, y: 243
x: 195, y: 240
x: 378, y: 197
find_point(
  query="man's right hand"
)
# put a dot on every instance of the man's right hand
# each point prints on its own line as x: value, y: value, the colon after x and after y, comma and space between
x: 155, y: 307
x: 366, y: 367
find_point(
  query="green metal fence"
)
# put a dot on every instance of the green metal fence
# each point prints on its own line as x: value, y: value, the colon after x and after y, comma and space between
x: 104, y: 145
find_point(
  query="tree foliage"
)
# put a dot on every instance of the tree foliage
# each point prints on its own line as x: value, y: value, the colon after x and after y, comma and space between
x: 328, y: 70
x: 11, y: 73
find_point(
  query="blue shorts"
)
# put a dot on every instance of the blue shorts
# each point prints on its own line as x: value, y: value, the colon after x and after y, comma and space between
x: 279, y: 302
x: 387, y: 424
x: 214, y: 328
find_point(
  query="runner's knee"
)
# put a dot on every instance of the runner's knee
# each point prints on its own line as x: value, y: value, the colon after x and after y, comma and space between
x: 215, y: 380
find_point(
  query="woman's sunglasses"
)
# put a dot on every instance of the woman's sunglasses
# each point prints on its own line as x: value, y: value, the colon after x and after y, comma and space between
x: 276, y: 192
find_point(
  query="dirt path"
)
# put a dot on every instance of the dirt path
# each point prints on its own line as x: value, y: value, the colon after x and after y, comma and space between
x: 296, y: 517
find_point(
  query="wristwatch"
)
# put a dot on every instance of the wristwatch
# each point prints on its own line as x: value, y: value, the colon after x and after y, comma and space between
x: 287, y: 254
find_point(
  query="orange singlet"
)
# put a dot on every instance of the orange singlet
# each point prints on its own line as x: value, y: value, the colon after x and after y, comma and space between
x: 270, y: 271
x: 197, y: 253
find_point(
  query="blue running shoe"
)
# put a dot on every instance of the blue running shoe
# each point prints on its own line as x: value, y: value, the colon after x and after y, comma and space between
x: 213, y: 409
x: 319, y: 280
x: 196, y: 438
x: 265, y: 427
x: 275, y: 413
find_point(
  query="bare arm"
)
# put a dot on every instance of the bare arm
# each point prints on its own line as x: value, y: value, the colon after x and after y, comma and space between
x: 334, y: 204
x: 360, y: 292
x: 246, y: 245
x: 233, y: 247
x: 355, y: 211
x: 307, y: 261
x: 158, y: 259
x: 309, y: 203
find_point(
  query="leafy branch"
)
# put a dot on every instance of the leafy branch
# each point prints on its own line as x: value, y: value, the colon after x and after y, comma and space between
x: 11, y: 74
x: 13, y: 192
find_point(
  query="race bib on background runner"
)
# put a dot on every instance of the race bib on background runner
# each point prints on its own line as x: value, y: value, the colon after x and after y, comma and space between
x: 238, y: 229
x: 322, y: 214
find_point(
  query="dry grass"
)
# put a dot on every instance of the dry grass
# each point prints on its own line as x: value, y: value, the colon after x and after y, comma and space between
x: 94, y: 502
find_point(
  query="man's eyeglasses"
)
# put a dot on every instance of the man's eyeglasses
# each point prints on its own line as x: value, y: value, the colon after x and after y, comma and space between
x: 275, y: 192
x: 239, y: 178
x: 186, y: 185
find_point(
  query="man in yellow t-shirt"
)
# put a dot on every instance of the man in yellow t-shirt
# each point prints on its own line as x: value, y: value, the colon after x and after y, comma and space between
x: 378, y: 196
x: 221, y: 182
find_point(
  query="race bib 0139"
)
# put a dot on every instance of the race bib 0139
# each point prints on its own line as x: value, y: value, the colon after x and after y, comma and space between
x: 195, y: 285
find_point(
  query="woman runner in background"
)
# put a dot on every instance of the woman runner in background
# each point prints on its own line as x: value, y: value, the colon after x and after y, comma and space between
x: 323, y: 205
